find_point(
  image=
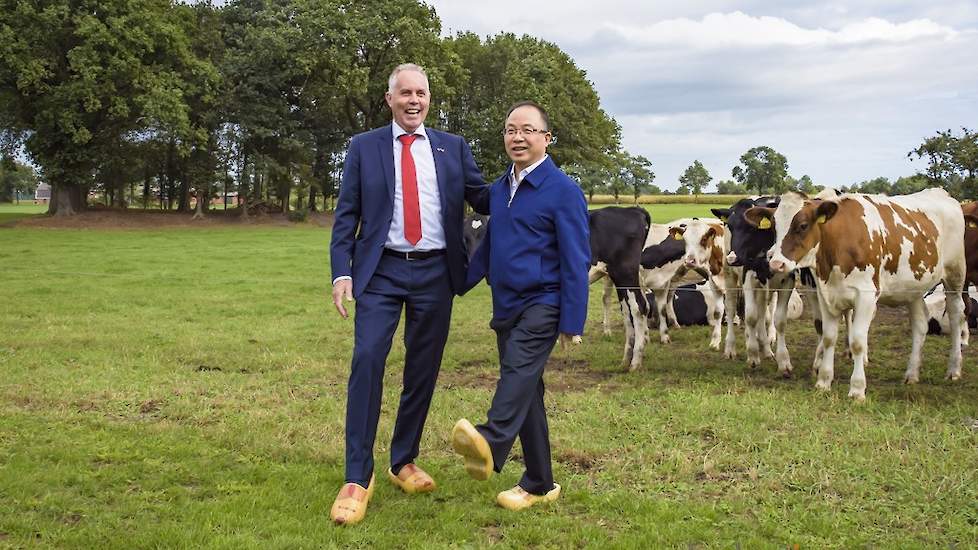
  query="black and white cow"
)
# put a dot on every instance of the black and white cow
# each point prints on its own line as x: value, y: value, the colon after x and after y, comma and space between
x: 617, y: 239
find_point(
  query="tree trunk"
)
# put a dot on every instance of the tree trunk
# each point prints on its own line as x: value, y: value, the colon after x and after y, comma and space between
x: 66, y: 200
x: 201, y: 194
x: 312, y: 198
x: 243, y: 187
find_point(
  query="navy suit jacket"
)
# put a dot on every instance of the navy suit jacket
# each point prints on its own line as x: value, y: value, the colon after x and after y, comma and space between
x: 366, y: 203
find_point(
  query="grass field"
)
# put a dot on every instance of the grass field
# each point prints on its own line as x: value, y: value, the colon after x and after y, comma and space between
x: 186, y: 388
x: 12, y: 211
x: 663, y: 213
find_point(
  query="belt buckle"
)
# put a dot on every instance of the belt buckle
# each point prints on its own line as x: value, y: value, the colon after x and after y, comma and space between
x: 408, y: 257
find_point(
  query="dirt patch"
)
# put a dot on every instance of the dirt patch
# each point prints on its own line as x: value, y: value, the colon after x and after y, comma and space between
x: 578, y: 461
x: 571, y: 375
x: 150, y: 406
x: 493, y: 533
x: 561, y: 376
x: 111, y: 218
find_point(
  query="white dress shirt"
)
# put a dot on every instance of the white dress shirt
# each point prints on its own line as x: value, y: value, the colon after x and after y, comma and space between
x: 432, y: 232
x: 514, y: 181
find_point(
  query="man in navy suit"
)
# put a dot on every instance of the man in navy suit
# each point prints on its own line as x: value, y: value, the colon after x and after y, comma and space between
x: 397, y: 243
x: 537, y: 255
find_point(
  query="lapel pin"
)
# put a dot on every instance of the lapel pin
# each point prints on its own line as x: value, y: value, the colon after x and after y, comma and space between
x: 440, y: 150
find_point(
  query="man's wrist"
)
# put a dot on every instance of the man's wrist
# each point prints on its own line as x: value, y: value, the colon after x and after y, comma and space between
x: 342, y: 278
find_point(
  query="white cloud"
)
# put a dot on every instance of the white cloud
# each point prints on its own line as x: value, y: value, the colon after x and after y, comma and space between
x: 721, y: 30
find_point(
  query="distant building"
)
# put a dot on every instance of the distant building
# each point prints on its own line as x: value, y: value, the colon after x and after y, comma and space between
x: 42, y: 194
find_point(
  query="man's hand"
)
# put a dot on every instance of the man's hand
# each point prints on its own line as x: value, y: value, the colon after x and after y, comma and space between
x: 342, y: 289
x: 569, y: 339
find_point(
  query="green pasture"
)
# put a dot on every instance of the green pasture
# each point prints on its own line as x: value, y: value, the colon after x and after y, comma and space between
x: 186, y: 388
x: 663, y: 213
x: 12, y: 211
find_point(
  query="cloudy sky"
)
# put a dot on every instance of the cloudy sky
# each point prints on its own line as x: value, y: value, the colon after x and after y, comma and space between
x: 843, y: 89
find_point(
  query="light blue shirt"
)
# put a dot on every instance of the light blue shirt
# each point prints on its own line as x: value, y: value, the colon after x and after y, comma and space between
x: 432, y: 232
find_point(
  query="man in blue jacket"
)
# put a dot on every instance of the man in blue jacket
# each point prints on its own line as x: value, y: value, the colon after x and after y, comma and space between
x: 397, y: 243
x: 536, y: 255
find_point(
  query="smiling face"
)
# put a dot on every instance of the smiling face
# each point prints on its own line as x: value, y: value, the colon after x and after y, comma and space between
x: 526, y: 146
x: 409, y: 99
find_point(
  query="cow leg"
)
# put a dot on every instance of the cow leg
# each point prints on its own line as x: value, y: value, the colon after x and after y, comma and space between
x: 782, y: 356
x: 811, y: 302
x: 862, y: 317
x: 715, y: 305
x: 661, y: 305
x: 671, y: 308
x: 848, y: 315
x: 640, y: 327
x: 955, y: 315
x: 918, y: 330
x: 754, y: 305
x: 772, y: 331
x: 730, y: 310
x: 606, y: 302
x: 626, y: 312
x: 830, y: 333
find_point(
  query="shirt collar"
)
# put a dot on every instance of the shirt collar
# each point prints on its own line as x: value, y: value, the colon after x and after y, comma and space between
x: 526, y: 171
x: 398, y: 131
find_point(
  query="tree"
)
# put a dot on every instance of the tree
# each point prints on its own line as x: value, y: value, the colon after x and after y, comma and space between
x: 730, y: 187
x: 16, y: 179
x: 504, y: 69
x: 78, y: 74
x: 909, y: 184
x: 694, y: 179
x: 762, y: 168
x: 637, y: 174
x: 807, y: 186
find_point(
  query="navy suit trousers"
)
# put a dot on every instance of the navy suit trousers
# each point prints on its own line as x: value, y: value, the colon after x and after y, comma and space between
x: 525, y: 342
x: 422, y: 289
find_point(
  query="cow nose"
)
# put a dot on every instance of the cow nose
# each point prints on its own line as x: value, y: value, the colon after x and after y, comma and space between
x: 770, y: 254
x: 690, y: 261
x: 776, y: 265
x: 732, y: 258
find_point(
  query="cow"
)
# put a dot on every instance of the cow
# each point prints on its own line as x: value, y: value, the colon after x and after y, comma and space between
x: 870, y: 249
x: 705, y: 245
x: 689, y: 306
x: 617, y: 239
x: 663, y: 270
x: 937, y: 320
x: 748, y: 245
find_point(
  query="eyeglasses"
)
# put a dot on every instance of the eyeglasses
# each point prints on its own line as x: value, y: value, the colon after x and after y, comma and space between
x: 526, y: 132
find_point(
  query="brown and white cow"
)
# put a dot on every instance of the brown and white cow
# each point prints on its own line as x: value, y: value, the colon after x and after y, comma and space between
x: 870, y: 249
x: 706, y: 248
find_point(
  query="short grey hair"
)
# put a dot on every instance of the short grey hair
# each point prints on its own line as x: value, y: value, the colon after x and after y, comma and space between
x: 392, y: 80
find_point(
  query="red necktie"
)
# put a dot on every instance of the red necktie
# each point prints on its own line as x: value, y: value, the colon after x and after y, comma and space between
x: 409, y: 191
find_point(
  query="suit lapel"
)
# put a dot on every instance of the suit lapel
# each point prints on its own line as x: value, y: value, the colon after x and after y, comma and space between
x: 386, y: 147
x: 438, y: 152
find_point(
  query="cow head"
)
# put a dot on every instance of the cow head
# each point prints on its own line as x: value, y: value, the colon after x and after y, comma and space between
x: 699, y: 237
x: 798, y: 222
x: 750, y: 238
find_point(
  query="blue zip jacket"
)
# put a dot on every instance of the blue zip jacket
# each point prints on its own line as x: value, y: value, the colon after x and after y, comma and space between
x: 537, y: 247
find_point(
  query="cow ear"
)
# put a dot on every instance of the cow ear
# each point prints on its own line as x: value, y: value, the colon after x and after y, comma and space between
x: 721, y: 213
x: 825, y: 211
x: 677, y: 232
x: 970, y: 222
x: 760, y: 217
